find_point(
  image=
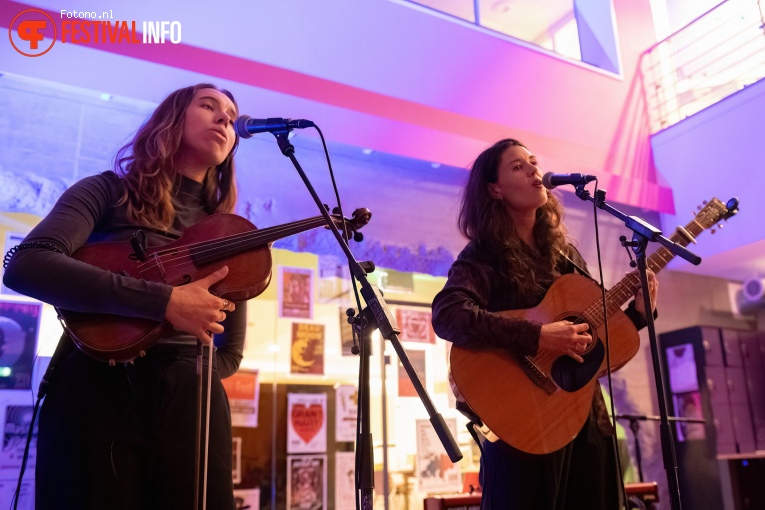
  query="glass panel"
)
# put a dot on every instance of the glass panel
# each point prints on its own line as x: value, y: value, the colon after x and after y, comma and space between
x: 462, y: 9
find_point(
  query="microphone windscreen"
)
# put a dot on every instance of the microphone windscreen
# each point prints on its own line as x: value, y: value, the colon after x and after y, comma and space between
x: 547, y: 180
x: 240, y: 126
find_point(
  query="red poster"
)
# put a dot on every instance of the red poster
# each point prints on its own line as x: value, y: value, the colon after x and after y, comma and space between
x: 405, y: 386
x: 415, y: 325
x: 295, y: 293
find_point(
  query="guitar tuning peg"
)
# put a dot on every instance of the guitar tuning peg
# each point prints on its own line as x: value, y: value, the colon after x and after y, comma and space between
x: 693, y: 213
x: 720, y: 225
x: 698, y: 207
x: 705, y: 202
x: 713, y: 230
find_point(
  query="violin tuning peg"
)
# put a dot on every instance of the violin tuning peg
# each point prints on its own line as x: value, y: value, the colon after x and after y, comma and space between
x: 335, y: 210
x: 358, y: 237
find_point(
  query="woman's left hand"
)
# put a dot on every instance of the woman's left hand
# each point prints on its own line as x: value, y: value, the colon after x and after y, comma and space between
x: 653, y: 289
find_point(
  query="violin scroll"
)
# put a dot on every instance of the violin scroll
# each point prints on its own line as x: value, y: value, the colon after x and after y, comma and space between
x: 352, y: 225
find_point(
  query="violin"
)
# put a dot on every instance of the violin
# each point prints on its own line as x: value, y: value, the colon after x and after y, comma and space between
x: 217, y: 240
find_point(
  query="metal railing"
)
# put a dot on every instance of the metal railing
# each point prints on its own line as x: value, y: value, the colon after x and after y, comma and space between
x: 717, y: 54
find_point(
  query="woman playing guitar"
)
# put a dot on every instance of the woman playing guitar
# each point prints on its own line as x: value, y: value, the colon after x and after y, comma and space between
x: 122, y: 437
x: 517, y: 249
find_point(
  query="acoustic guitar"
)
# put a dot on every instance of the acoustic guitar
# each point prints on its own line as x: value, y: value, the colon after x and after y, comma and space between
x: 538, y: 404
x: 217, y: 240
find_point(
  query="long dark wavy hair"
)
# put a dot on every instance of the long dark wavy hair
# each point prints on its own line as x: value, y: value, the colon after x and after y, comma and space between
x: 147, y: 165
x: 486, y: 221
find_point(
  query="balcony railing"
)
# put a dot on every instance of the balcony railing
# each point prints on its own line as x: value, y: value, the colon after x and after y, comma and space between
x: 717, y: 54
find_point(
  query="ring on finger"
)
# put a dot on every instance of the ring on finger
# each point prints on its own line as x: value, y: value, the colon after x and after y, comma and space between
x: 225, y: 305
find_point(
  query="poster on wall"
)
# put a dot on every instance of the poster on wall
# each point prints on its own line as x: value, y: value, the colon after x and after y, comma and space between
x: 405, y: 385
x: 306, y: 422
x: 346, y: 409
x: 415, y: 325
x: 248, y: 499
x: 435, y: 472
x: 19, y: 326
x: 243, y: 390
x: 345, y: 482
x: 16, y: 422
x: 26, y: 494
x: 11, y: 239
x: 306, y: 482
x: 236, y: 461
x: 346, y: 334
x: 307, y: 352
x: 295, y: 292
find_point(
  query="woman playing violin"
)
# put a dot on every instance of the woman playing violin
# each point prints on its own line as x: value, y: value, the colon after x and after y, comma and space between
x: 517, y: 248
x: 123, y: 437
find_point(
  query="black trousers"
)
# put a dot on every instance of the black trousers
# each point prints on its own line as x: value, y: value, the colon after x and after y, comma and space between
x: 581, y: 475
x: 122, y: 437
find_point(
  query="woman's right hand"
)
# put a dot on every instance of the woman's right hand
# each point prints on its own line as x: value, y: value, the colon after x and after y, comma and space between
x: 565, y: 337
x: 194, y: 310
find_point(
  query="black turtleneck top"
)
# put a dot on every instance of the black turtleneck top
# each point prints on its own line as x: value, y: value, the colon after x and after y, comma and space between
x: 86, y: 213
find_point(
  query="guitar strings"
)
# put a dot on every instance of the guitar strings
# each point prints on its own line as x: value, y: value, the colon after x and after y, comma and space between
x: 624, y: 289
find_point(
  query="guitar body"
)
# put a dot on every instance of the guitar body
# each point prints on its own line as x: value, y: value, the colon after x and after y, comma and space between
x: 540, y: 403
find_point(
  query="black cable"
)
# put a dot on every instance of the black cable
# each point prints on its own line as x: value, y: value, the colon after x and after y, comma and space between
x: 17, y: 494
x: 615, y: 442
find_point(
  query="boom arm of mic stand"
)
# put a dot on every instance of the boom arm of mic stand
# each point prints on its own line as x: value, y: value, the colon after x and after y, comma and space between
x: 639, y: 226
x: 377, y: 304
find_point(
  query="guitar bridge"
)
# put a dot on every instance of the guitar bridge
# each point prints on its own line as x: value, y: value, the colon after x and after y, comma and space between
x: 538, y: 376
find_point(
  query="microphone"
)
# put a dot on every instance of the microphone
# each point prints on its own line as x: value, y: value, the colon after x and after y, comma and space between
x: 551, y: 180
x: 246, y: 126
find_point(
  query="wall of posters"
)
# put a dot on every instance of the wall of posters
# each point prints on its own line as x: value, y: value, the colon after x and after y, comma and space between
x: 435, y: 472
x: 295, y: 292
x: 306, y: 482
x: 307, y: 351
x: 243, y: 390
x: 306, y: 422
x: 346, y: 409
x: 19, y: 326
x: 345, y: 481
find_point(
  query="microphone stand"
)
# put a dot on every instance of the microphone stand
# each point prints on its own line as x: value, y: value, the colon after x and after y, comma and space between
x: 642, y: 233
x: 376, y: 314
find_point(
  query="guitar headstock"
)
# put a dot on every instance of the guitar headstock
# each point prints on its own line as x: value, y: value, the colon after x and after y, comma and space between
x: 714, y: 211
x: 352, y: 225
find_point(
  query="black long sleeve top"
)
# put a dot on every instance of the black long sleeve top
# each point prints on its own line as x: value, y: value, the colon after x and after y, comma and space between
x: 86, y: 213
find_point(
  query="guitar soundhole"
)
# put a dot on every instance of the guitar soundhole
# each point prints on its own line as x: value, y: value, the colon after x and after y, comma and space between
x: 569, y: 374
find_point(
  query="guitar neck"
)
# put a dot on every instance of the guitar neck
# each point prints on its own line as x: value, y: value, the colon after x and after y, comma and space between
x: 623, y: 291
x: 210, y: 251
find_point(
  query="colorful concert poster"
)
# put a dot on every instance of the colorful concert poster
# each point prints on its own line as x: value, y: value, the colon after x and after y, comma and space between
x: 306, y: 482
x: 306, y: 422
x: 19, y: 326
x: 295, y: 292
x: 307, y: 351
x: 415, y: 325
x: 243, y: 390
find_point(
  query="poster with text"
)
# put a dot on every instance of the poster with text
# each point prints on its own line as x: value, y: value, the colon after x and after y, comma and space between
x: 415, y: 325
x: 346, y: 408
x: 345, y: 482
x: 243, y: 390
x: 405, y: 385
x: 16, y: 422
x: 306, y: 422
x: 236, y: 461
x: 295, y: 292
x: 307, y: 351
x: 435, y: 472
x: 346, y: 334
x: 306, y: 482
x: 19, y: 326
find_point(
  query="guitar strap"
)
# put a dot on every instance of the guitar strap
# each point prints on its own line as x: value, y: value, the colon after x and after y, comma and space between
x: 579, y: 268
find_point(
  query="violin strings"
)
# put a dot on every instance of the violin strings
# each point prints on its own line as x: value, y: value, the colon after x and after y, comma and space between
x: 232, y: 242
